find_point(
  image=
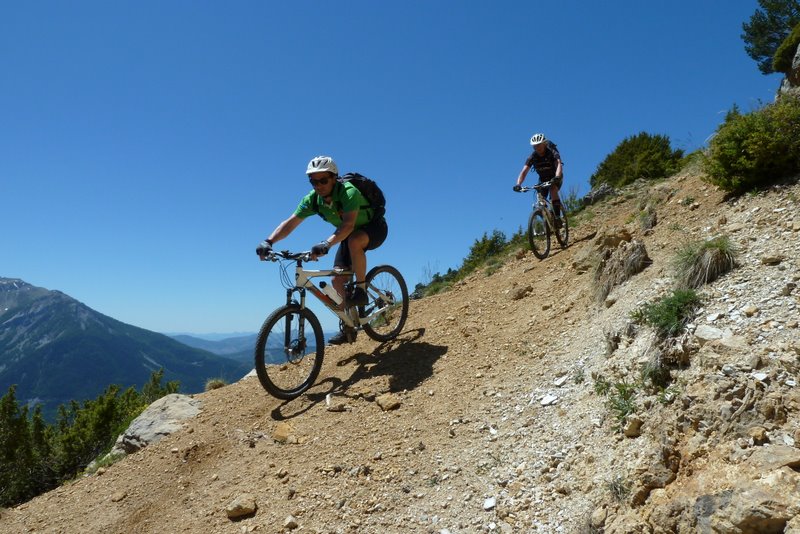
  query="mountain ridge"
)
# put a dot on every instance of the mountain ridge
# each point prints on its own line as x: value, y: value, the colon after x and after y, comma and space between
x: 57, y: 349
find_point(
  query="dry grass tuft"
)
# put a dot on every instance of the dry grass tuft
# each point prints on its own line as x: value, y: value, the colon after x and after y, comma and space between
x: 618, y: 266
x: 215, y: 383
x: 701, y: 263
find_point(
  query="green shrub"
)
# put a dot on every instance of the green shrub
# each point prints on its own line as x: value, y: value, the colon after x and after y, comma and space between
x: 782, y: 60
x: 757, y: 148
x: 484, y: 248
x: 700, y: 263
x: 669, y: 315
x: 639, y: 156
x: 36, y: 456
x: 215, y: 383
x: 622, y: 401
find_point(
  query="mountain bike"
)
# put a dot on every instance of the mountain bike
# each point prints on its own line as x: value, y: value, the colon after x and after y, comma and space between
x: 290, y: 345
x: 543, y: 222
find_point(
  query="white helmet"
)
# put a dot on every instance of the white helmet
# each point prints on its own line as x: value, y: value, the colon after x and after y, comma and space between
x: 322, y: 164
x: 537, y: 139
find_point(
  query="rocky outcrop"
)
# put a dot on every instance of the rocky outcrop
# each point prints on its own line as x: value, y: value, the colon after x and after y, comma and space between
x: 160, y: 419
x: 598, y: 193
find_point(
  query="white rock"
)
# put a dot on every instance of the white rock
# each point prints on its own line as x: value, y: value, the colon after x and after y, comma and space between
x: 489, y: 503
x: 548, y: 400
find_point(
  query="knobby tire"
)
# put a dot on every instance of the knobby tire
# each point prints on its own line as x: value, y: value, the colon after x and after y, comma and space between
x: 538, y: 235
x: 562, y: 234
x: 390, y: 282
x: 286, y: 363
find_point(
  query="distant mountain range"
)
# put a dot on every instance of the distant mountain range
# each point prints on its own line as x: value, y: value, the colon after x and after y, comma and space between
x: 239, y: 348
x: 57, y: 349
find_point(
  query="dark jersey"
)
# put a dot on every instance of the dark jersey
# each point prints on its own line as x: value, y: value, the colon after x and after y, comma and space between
x: 545, y: 165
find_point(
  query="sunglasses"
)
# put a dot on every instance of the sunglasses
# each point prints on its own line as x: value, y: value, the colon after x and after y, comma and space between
x: 321, y: 181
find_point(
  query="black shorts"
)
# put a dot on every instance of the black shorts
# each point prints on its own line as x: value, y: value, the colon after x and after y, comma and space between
x: 376, y: 229
x: 557, y: 181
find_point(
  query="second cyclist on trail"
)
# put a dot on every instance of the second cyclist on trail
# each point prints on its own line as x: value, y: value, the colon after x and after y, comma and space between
x: 359, y: 227
x: 546, y: 160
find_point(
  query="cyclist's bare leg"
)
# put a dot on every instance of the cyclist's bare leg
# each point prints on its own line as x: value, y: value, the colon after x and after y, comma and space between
x: 555, y: 199
x: 356, y: 242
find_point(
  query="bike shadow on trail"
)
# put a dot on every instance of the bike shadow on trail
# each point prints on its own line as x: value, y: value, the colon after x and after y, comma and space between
x: 405, y: 361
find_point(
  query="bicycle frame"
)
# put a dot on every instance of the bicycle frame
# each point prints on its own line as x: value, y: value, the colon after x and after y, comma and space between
x: 543, y: 203
x: 349, y: 315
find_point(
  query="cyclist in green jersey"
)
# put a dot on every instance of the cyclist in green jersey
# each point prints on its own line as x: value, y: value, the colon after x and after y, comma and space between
x: 358, y: 229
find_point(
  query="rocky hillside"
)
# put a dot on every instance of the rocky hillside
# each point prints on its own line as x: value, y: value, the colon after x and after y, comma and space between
x: 484, y: 416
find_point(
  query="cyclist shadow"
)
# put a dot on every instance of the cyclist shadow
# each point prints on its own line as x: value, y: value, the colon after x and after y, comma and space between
x: 405, y: 362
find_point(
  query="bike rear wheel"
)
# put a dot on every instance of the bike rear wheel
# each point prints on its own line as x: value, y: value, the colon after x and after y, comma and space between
x: 538, y: 235
x: 289, y: 351
x: 388, y: 292
x: 562, y: 232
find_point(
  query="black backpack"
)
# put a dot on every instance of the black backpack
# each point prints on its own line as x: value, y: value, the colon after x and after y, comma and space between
x: 368, y: 189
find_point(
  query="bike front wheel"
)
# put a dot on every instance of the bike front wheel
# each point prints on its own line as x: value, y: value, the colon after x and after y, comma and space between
x: 562, y: 230
x: 289, y: 351
x: 538, y: 235
x: 388, y: 303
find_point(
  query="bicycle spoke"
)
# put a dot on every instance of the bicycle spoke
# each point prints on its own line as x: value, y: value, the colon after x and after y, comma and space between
x: 538, y: 235
x: 388, y: 303
x: 289, y: 352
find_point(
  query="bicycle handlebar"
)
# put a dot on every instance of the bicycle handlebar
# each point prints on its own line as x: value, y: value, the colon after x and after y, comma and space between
x: 537, y: 187
x: 275, y: 255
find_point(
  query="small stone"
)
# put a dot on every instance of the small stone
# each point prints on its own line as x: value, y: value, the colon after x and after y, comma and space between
x: 244, y: 504
x: 489, y: 504
x: 598, y: 518
x: 520, y: 292
x: 705, y: 333
x: 282, y: 432
x: 750, y: 310
x: 118, y: 496
x: 388, y: 401
x: 291, y: 523
x: 633, y: 428
x: 560, y: 381
x: 771, y: 260
x: 548, y: 400
x: 758, y: 433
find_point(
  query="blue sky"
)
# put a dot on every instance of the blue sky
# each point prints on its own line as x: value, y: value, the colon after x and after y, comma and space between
x: 147, y: 147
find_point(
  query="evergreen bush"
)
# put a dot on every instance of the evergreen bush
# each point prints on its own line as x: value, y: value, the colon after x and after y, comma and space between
x: 35, y: 457
x: 639, y: 156
x: 754, y: 149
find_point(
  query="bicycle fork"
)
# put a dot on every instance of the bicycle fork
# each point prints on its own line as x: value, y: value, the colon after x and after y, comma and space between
x: 295, y: 348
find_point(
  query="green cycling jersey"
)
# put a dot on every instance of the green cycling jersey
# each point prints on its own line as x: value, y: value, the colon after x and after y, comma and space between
x: 345, y: 198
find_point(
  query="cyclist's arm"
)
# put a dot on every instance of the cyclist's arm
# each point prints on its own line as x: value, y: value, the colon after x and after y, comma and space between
x: 285, y: 228
x: 345, y: 229
x: 523, y: 173
x: 559, y: 170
